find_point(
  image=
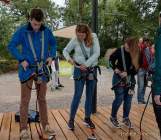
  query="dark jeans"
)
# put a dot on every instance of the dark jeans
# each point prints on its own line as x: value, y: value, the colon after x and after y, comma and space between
x: 157, y: 111
x: 78, y: 87
x: 121, y: 94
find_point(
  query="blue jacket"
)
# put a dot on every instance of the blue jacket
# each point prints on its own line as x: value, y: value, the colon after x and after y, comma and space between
x: 20, y: 38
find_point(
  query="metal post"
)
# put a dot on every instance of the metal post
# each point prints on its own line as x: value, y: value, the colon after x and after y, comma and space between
x: 95, y: 16
x: 80, y: 10
x: 95, y: 30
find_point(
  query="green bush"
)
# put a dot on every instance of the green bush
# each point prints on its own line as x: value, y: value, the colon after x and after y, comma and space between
x: 103, y: 62
x: 7, y: 66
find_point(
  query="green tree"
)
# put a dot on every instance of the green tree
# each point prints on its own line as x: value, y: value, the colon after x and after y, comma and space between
x: 6, y: 28
x: 12, y: 16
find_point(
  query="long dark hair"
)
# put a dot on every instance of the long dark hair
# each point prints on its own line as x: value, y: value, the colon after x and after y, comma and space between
x: 134, y: 51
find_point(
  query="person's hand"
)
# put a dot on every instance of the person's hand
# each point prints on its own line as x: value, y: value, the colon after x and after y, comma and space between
x: 157, y: 99
x: 24, y: 64
x: 123, y: 74
x: 83, y: 67
x: 71, y: 61
x: 117, y: 71
x: 49, y: 61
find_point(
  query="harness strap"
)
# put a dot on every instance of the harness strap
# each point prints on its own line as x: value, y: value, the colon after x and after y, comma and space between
x: 128, y: 78
x: 32, y: 47
x: 82, y: 46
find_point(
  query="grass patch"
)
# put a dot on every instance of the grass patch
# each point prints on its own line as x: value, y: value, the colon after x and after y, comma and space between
x: 65, y: 68
x: 11, y: 65
x: 103, y: 62
x: 7, y: 66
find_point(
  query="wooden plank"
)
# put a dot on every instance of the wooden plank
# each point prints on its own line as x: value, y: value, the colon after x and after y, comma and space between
x: 62, y: 123
x: 9, y: 129
x: 115, y: 132
x: 5, y: 129
x: 1, y: 118
x: 77, y: 131
x: 135, y: 132
x: 40, y: 131
x: 105, y: 116
x: 29, y: 130
x: 34, y: 133
x: 86, y: 130
x: 134, y: 135
x: 97, y: 130
x: 36, y: 129
x: 53, y: 123
x: 149, y: 113
x: 15, y: 129
x: 147, y: 125
x: 148, y: 122
x: 112, y: 133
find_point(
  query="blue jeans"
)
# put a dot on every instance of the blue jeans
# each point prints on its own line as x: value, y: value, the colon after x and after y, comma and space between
x: 121, y: 94
x: 141, y: 84
x: 78, y: 87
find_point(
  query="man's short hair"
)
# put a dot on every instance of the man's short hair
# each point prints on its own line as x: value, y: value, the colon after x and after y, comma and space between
x: 37, y: 14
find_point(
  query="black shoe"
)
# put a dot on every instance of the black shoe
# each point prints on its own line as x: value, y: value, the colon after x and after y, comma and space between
x: 141, y: 102
x: 127, y: 122
x: 71, y: 124
x: 57, y: 88
x: 88, y: 122
x: 60, y: 85
x: 115, y: 122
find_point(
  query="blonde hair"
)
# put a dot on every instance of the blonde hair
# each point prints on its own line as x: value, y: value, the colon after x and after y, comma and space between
x: 134, y: 51
x: 84, y: 28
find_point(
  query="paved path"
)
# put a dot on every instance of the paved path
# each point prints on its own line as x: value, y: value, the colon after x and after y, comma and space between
x: 10, y: 92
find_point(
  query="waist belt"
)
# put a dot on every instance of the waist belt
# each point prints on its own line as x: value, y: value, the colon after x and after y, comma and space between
x: 94, y: 67
x: 122, y: 84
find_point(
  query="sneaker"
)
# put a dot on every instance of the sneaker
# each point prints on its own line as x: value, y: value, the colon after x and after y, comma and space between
x: 71, y: 124
x: 127, y: 122
x: 57, y: 87
x: 49, y: 131
x: 60, y: 85
x: 115, y: 122
x: 88, y: 122
x: 24, y: 135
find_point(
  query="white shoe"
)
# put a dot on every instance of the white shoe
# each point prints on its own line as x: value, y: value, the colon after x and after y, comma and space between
x: 24, y: 135
x: 49, y: 131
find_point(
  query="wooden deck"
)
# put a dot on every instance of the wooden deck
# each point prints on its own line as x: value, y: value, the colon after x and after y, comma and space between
x: 9, y: 130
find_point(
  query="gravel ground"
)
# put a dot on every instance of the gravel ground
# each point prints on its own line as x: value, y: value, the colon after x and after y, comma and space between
x: 10, y: 92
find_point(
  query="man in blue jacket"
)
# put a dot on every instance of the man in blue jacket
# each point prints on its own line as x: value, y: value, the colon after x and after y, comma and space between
x: 157, y: 77
x: 38, y: 49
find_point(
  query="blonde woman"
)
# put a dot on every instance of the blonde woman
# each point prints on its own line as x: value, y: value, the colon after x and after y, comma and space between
x: 85, y: 59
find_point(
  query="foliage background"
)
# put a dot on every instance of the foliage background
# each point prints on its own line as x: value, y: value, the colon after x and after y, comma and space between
x: 118, y: 19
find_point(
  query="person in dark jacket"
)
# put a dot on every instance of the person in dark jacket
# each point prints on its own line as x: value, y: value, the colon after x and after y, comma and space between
x: 156, y: 94
x: 124, y: 62
x: 38, y: 50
